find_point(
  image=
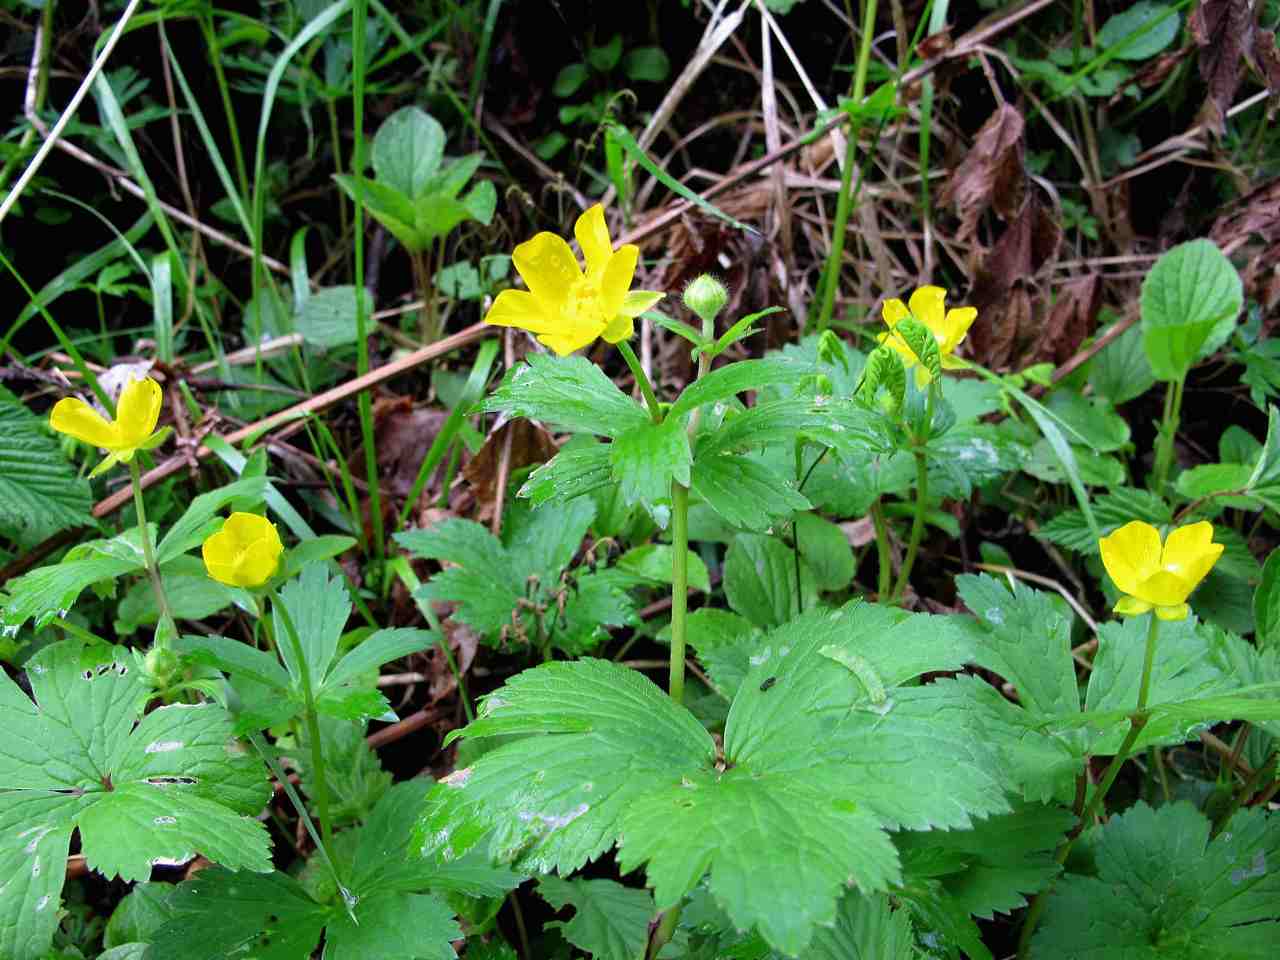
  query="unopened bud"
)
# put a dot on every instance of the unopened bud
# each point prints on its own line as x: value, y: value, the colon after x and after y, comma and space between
x: 162, y: 666
x: 831, y: 350
x: 706, y: 297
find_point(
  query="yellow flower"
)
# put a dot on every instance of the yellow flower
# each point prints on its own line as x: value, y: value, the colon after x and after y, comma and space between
x: 928, y: 305
x: 1151, y: 576
x: 565, y: 307
x: 245, y: 552
x: 133, y: 429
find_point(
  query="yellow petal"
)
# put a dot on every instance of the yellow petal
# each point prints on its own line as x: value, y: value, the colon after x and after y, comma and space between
x: 593, y: 237
x: 548, y: 267
x: 927, y: 307
x: 1198, y: 569
x: 219, y: 552
x: 956, y: 325
x: 258, y: 563
x: 568, y: 337
x: 75, y: 418
x: 899, y: 346
x: 247, y: 528
x: 1130, y: 606
x: 616, y: 279
x: 1131, y: 554
x: 138, y: 410
x: 518, y: 308
x: 893, y: 311
x: 637, y: 302
x: 1186, y: 549
x: 620, y: 328
x: 1163, y: 589
x: 1178, y: 612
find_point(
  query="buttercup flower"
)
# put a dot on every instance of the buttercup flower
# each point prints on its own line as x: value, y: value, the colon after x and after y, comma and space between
x: 245, y: 552
x: 133, y: 429
x: 564, y: 307
x: 1151, y: 576
x: 928, y: 305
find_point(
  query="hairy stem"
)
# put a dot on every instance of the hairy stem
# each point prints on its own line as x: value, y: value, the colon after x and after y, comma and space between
x: 884, y: 575
x: 1164, y: 439
x: 642, y: 381
x: 679, y: 586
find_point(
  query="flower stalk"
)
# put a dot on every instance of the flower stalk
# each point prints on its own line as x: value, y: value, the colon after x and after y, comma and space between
x: 168, y: 628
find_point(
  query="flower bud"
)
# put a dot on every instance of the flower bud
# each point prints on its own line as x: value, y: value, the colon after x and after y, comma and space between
x: 831, y: 350
x: 161, y: 666
x: 706, y: 297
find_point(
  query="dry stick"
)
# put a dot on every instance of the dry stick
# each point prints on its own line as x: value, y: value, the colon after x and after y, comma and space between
x: 321, y: 401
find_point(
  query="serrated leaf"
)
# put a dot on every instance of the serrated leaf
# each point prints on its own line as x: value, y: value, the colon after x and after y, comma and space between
x: 200, y: 518
x: 763, y: 581
x: 571, y: 473
x: 319, y: 607
x: 40, y: 493
x: 991, y: 867
x: 566, y: 393
x: 745, y: 492
x: 1164, y: 889
x: 192, y: 595
x: 1190, y: 301
x: 610, y: 921
x: 393, y: 926
x: 1026, y: 640
x: 140, y: 788
x: 1266, y: 603
x: 825, y: 548
x: 648, y: 457
x: 652, y: 563
x: 866, y: 926
x: 729, y: 381
x: 724, y: 642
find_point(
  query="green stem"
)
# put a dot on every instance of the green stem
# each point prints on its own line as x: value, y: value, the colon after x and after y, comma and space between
x: 637, y: 371
x: 311, y: 718
x: 1137, y: 721
x: 664, y: 932
x: 917, y: 523
x: 679, y: 586
x: 215, y: 57
x: 883, y: 555
x: 844, y: 202
x: 1168, y: 430
x: 169, y: 629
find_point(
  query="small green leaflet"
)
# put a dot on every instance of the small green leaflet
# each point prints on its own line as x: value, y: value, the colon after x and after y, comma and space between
x: 1164, y: 890
x: 40, y: 493
x: 141, y: 789
x: 566, y: 393
x: 610, y: 921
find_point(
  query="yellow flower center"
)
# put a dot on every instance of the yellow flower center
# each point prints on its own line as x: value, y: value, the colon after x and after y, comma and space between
x: 583, y: 302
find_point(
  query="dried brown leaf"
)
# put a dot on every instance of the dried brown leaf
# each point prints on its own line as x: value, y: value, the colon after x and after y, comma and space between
x: 530, y: 444
x: 991, y: 175
x: 1072, y: 318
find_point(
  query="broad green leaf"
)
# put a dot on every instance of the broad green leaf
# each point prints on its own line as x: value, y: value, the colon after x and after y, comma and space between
x: 652, y: 564
x: 542, y: 543
x: 610, y: 921
x: 138, y: 915
x: 646, y: 63
x: 392, y: 209
x: 745, y: 492
x: 1114, y: 509
x: 191, y: 592
x: 436, y: 215
x: 613, y: 760
x: 866, y: 927
x: 1180, y: 672
x: 40, y: 493
x: 1164, y: 890
x: 1026, y: 640
x: 1213, y: 480
x: 729, y: 381
x: 140, y: 789
x: 450, y: 181
x: 825, y: 548
x: 50, y: 591
x: 1121, y: 371
x: 571, y: 77
x: 233, y: 657
x: 764, y: 582
x: 372, y: 652
x: 1266, y: 603
x: 328, y: 318
x: 1190, y: 301
x: 1140, y: 32
x: 1097, y: 422
x: 567, y: 393
x: 319, y: 607
x: 354, y: 776
x: 393, y: 926
x: 313, y: 550
x: 648, y: 457
x: 1265, y: 478
x: 407, y: 150
x: 574, y: 471
x: 991, y: 867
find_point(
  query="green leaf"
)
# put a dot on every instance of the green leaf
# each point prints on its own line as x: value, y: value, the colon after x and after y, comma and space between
x: 745, y: 492
x: 1190, y: 301
x: 1121, y: 371
x: 354, y: 776
x: 201, y: 520
x: 1214, y: 479
x: 319, y: 607
x: 610, y: 921
x: 921, y: 342
x: 1101, y: 427
x: 392, y: 209
x: 735, y: 378
x: 381, y: 646
x: 407, y: 150
x: 763, y: 582
x: 328, y: 318
x: 567, y: 393
x: 1140, y: 32
x: 603, y: 756
x: 40, y: 493
x: 826, y: 550
x: 1114, y: 509
x: 574, y: 471
x: 1164, y: 889
x: 138, y: 915
x: 1180, y: 673
x: 652, y: 564
x: 646, y: 63
x: 450, y: 181
x: 1026, y: 640
x: 140, y: 789
x: 725, y: 643
x: 569, y: 80
x: 1266, y: 603
x: 191, y: 592
x: 866, y: 926
x: 648, y: 457
x: 313, y: 550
